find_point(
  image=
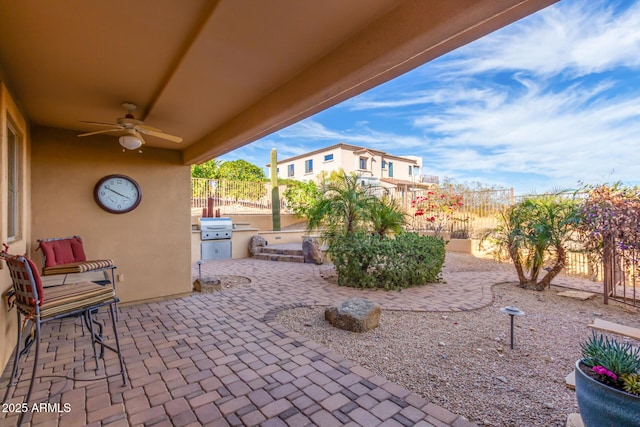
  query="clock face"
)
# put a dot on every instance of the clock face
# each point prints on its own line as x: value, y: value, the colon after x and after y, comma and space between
x: 117, y: 194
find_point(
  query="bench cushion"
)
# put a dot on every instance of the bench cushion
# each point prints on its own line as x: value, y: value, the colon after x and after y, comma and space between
x: 78, y: 267
x: 73, y: 296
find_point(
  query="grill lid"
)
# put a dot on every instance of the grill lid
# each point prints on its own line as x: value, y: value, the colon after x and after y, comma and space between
x: 215, y: 228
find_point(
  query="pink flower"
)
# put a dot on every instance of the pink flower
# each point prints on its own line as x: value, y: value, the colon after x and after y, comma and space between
x: 601, y: 370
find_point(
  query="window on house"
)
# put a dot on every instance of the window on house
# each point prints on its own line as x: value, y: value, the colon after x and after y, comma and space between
x: 384, y: 164
x: 12, y: 184
x: 363, y: 163
x: 308, y: 166
x: 410, y: 170
x: 290, y: 171
x: 328, y: 157
x: 390, y: 169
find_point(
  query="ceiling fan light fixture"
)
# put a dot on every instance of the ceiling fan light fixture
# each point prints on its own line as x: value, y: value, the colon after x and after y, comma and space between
x: 130, y: 142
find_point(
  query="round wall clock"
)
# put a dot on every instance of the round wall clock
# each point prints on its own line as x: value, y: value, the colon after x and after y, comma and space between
x: 117, y: 194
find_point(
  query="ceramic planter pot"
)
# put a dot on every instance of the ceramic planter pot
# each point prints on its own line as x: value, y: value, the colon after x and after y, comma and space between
x: 602, y: 406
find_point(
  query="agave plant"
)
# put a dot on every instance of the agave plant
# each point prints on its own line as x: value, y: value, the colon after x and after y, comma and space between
x: 616, y: 363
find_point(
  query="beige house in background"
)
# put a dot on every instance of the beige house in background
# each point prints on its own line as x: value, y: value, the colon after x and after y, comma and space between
x: 350, y: 158
x: 373, y: 167
x: 219, y: 74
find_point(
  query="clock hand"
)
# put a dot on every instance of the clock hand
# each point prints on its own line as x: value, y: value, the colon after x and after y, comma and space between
x: 119, y: 194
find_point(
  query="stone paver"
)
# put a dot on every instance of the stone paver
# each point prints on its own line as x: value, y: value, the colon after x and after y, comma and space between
x: 221, y: 359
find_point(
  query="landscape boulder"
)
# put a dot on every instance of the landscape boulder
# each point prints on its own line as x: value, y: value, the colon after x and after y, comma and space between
x: 255, y: 243
x: 203, y: 282
x: 312, y: 251
x: 355, y: 315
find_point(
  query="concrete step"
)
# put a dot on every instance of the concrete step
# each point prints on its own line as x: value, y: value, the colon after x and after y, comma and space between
x: 279, y: 257
x: 280, y: 251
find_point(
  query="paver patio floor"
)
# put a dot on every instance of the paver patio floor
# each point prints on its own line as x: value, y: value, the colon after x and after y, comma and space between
x: 220, y: 358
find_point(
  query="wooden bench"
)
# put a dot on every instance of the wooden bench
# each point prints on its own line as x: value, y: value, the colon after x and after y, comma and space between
x: 65, y: 256
x: 615, y: 328
x: 570, y: 380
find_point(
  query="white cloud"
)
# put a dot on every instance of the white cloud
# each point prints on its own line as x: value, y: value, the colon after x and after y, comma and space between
x: 576, y: 37
x: 570, y: 135
x: 311, y: 131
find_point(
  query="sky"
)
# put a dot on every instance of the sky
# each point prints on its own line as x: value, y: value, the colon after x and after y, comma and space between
x: 543, y: 104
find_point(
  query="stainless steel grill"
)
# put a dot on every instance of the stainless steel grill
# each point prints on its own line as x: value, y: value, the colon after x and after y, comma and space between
x: 215, y: 228
x: 215, y: 234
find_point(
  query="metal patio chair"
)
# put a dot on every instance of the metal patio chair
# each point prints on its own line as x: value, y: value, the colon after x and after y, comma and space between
x: 39, y: 305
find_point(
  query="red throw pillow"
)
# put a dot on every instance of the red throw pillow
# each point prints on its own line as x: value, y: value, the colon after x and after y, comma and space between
x: 63, y: 251
x: 78, y: 249
x: 49, y: 255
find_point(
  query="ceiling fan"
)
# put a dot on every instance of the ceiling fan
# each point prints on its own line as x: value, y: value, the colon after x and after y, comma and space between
x: 133, y: 128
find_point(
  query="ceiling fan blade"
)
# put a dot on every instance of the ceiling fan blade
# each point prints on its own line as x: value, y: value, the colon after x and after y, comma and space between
x: 147, y: 127
x: 137, y: 134
x: 100, y: 131
x: 113, y: 125
x: 159, y: 134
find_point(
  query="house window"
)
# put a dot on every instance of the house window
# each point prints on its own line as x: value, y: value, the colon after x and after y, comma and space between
x: 290, y: 170
x: 390, y: 169
x: 384, y: 165
x: 328, y: 157
x: 12, y: 184
x: 308, y: 166
x: 363, y: 163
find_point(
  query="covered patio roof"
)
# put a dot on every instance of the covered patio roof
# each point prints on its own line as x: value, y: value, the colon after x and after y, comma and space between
x: 222, y: 73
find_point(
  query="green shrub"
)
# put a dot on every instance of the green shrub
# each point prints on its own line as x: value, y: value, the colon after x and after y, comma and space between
x: 368, y: 261
x: 619, y: 358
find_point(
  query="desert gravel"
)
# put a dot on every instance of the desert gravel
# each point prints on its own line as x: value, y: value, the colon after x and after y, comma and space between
x: 463, y: 362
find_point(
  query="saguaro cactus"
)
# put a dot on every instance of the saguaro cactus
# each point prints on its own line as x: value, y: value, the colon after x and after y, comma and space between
x: 275, y: 193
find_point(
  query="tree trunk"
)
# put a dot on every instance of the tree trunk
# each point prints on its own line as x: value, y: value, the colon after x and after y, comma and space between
x: 555, y: 270
x: 517, y: 262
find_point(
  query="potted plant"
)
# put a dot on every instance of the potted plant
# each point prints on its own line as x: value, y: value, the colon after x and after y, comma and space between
x: 608, y: 383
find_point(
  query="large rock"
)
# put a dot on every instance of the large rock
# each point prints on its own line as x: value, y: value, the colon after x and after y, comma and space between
x: 204, y: 282
x: 255, y: 243
x: 355, y: 315
x: 312, y: 251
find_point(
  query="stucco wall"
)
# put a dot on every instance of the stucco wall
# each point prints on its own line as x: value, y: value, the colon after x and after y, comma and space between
x: 9, y: 110
x: 151, y: 245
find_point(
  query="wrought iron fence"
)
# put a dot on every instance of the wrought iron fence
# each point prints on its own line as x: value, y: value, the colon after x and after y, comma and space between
x: 477, y: 215
x: 621, y: 270
x: 221, y: 197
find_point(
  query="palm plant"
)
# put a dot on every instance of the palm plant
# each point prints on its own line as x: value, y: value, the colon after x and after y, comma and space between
x: 535, y: 232
x: 387, y: 216
x: 342, y: 207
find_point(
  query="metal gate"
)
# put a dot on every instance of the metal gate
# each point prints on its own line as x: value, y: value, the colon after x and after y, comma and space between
x: 620, y: 274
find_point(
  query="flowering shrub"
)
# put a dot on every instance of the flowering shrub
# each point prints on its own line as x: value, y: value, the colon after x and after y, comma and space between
x: 613, y: 209
x: 435, y: 210
x: 611, y: 214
